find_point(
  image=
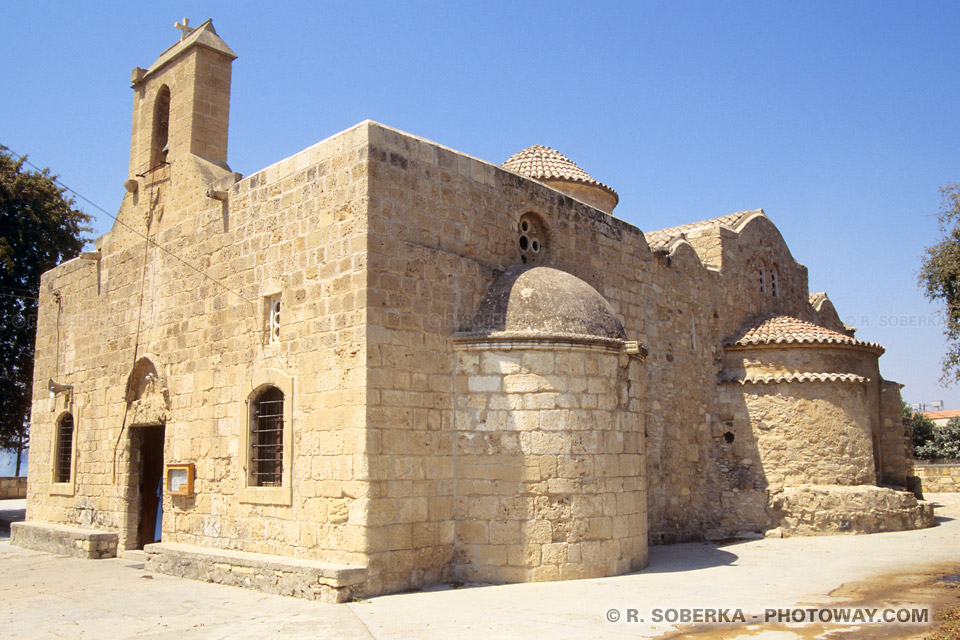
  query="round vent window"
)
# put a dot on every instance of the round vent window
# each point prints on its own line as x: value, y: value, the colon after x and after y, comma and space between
x: 531, y: 240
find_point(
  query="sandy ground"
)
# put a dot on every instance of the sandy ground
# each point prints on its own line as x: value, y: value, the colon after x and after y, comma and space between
x: 46, y: 596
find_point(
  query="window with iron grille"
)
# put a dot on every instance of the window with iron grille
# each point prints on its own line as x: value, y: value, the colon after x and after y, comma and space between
x: 266, y: 438
x: 64, y: 448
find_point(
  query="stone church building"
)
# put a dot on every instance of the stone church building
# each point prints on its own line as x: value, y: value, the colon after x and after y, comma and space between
x: 381, y: 364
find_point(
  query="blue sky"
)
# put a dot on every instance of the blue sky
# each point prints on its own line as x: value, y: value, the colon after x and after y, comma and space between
x: 839, y: 119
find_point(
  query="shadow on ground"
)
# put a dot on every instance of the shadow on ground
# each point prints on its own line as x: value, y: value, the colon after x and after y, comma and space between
x: 695, y: 555
x: 11, y: 511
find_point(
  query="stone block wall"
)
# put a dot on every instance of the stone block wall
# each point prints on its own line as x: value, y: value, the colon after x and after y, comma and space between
x: 549, y: 465
x: 683, y: 489
x: 443, y: 225
x: 938, y: 478
x: 776, y: 424
x: 296, y: 228
x: 13, y: 488
x: 896, y: 443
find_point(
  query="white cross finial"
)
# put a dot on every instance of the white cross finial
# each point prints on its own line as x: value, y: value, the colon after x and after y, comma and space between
x: 185, y: 28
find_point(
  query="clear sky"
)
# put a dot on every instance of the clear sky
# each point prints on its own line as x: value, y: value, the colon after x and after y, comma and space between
x: 839, y: 119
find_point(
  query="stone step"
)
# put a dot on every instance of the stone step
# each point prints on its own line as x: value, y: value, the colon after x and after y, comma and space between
x: 309, y: 579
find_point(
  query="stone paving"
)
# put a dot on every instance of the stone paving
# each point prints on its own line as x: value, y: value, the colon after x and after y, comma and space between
x: 47, y: 596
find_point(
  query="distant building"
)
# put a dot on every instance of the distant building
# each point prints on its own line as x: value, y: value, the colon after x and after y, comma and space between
x: 941, y: 418
x: 385, y: 364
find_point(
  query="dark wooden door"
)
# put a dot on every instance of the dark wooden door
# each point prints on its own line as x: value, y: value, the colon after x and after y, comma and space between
x: 151, y: 477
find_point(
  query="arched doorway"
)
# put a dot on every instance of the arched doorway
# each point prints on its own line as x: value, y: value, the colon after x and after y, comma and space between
x: 146, y: 416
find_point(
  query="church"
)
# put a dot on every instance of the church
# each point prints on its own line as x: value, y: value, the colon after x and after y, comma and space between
x: 382, y: 364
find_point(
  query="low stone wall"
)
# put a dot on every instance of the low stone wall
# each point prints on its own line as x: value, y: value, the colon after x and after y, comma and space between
x: 13, y: 488
x: 62, y: 540
x: 811, y: 510
x: 278, y: 575
x: 938, y: 478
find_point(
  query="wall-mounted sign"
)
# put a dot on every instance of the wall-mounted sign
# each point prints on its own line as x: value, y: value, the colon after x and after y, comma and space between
x: 180, y: 479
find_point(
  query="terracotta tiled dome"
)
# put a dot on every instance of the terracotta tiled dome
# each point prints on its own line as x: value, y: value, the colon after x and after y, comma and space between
x: 788, y: 330
x: 550, y: 166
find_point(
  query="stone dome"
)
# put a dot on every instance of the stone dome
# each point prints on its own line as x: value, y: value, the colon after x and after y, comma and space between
x: 560, y: 172
x: 543, y: 302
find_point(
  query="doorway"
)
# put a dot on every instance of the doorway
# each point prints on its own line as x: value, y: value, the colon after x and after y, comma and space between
x: 150, y: 449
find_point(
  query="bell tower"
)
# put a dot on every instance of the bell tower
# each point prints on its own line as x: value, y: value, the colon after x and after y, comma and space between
x: 181, y: 104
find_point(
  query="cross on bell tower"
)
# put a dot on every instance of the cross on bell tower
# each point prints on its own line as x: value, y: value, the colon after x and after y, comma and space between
x: 185, y: 28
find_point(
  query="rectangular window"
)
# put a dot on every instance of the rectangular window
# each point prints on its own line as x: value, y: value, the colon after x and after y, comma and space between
x: 266, y: 438
x: 273, y: 319
x: 64, y: 449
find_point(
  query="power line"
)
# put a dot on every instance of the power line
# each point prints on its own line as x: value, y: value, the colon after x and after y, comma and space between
x: 17, y: 289
x: 20, y: 297
x: 121, y: 222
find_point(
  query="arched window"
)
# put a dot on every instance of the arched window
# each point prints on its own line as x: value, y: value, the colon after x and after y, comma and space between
x: 64, y: 455
x: 763, y: 281
x: 266, y: 438
x: 774, y: 283
x: 161, y: 128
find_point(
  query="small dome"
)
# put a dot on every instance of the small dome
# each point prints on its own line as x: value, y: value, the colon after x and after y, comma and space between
x: 560, y: 172
x: 787, y: 330
x: 540, y: 301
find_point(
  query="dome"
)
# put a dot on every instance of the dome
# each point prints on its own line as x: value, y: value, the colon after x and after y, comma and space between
x: 560, y: 172
x: 787, y: 330
x: 544, y: 302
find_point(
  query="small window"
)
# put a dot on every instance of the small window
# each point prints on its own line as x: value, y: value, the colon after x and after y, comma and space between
x: 64, y: 456
x: 266, y: 438
x: 763, y: 281
x: 531, y: 240
x: 774, y: 284
x: 273, y: 319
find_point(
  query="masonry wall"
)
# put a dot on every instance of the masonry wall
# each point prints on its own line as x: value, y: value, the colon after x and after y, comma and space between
x: 684, y: 491
x: 774, y: 422
x: 296, y: 228
x: 549, y: 464
x: 442, y: 226
x: 938, y: 478
x: 758, y: 246
x: 704, y: 291
x: 13, y: 488
x: 895, y: 442
x: 785, y: 419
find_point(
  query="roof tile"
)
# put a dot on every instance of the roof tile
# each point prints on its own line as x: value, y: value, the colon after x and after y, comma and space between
x: 658, y: 240
x: 778, y: 329
x: 772, y: 378
x: 543, y: 163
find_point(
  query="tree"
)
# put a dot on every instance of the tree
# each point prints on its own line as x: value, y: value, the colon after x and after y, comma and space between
x: 39, y: 229
x: 921, y: 427
x: 940, y: 276
x: 944, y: 443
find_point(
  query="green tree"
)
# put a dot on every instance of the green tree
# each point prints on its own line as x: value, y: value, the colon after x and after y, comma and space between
x: 921, y: 427
x: 944, y: 443
x: 940, y: 276
x: 39, y: 229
